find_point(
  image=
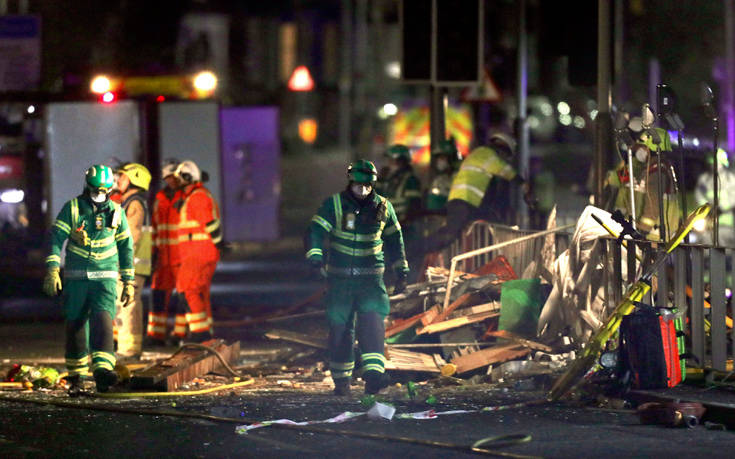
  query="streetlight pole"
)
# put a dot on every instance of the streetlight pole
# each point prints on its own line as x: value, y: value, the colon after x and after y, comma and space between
x: 603, y: 120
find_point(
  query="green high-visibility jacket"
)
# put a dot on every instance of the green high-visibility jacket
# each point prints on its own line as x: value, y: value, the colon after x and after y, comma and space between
x: 403, y: 190
x: 474, y: 176
x: 438, y: 192
x: 362, y: 238
x: 110, y: 252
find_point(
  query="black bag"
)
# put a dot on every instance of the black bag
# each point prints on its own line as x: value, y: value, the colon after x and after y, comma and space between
x: 649, y: 348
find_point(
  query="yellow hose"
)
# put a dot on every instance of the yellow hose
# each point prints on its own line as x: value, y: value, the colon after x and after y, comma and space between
x: 174, y: 394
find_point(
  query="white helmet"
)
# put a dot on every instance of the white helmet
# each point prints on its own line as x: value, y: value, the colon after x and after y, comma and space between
x: 188, y: 172
x: 169, y: 168
x: 504, y: 140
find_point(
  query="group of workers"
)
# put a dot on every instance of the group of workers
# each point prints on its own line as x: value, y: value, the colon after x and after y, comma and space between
x: 113, y: 244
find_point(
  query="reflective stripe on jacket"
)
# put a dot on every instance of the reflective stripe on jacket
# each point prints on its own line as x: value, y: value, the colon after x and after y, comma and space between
x: 199, y: 225
x: 403, y: 190
x: 143, y: 247
x: 363, y: 238
x: 476, y: 172
x: 165, y: 225
x: 110, y: 250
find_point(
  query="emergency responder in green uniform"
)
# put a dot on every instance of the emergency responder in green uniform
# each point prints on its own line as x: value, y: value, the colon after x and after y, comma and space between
x: 646, y: 180
x: 364, y: 236
x: 445, y: 159
x: 400, y: 185
x: 472, y: 195
x: 99, y: 249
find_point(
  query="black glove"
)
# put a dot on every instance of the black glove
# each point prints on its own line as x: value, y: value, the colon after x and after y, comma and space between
x: 400, y: 284
x: 316, y: 268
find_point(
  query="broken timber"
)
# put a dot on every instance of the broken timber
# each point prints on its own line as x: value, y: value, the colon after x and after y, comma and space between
x: 300, y: 338
x: 489, y: 356
x: 504, y: 334
x: 397, y: 359
x: 185, y: 365
x: 455, y: 323
x: 402, y: 360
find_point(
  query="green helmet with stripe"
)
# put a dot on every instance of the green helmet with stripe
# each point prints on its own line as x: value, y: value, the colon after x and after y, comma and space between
x: 398, y: 151
x: 362, y: 171
x: 448, y: 148
x: 100, y: 176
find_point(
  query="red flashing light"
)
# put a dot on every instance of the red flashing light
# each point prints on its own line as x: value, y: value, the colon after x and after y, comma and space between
x: 160, y: 99
x: 108, y: 97
x: 301, y: 79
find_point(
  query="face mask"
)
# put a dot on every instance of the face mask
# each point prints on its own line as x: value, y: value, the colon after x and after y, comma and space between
x: 98, y: 197
x: 641, y: 154
x: 442, y: 165
x: 360, y: 190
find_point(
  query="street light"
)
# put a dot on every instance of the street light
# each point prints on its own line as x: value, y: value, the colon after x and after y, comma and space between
x: 100, y: 84
x: 301, y: 79
x: 205, y: 81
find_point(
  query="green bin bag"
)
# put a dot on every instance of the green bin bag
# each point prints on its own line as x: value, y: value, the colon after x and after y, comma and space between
x: 521, y: 301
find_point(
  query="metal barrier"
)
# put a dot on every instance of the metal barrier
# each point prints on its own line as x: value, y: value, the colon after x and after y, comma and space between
x: 682, y: 282
x: 480, y: 234
x: 519, y: 248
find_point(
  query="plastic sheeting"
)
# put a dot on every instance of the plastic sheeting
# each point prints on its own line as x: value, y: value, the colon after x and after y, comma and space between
x: 576, y: 306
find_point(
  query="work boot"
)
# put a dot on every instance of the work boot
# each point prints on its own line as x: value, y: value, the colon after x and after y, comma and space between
x: 150, y: 341
x: 375, y: 381
x: 342, y: 386
x: 104, y: 379
x: 200, y: 337
x: 76, y: 386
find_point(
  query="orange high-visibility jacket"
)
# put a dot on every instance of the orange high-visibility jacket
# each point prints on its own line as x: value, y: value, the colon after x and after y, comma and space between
x: 165, y: 222
x: 199, y: 226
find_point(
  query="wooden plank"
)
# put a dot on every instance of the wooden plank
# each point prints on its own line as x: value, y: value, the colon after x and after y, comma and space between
x: 296, y: 337
x: 504, y: 334
x: 463, y: 299
x: 184, y: 366
x: 489, y: 356
x: 458, y: 322
x: 399, y: 325
x: 430, y: 315
x: 493, y: 306
x: 402, y: 360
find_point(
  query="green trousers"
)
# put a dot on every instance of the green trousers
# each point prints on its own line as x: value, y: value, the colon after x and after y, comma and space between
x: 365, y: 300
x: 89, y: 308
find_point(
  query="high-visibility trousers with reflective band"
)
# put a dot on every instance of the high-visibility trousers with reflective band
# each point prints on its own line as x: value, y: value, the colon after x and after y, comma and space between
x: 82, y: 298
x: 193, y: 282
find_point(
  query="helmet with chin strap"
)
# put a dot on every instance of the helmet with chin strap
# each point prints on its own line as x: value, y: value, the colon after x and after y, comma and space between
x: 448, y: 148
x: 138, y: 175
x: 505, y: 144
x: 399, y: 151
x: 362, y: 171
x: 100, y: 176
x: 188, y: 172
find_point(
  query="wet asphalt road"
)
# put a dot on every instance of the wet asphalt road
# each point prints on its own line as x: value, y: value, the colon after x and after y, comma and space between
x: 244, y: 288
x: 556, y: 430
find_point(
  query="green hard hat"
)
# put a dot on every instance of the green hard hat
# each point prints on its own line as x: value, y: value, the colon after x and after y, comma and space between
x: 100, y: 176
x: 445, y: 147
x: 362, y: 171
x: 398, y: 151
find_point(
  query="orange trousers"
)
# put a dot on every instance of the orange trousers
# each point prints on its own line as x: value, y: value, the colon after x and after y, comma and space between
x: 193, y: 283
